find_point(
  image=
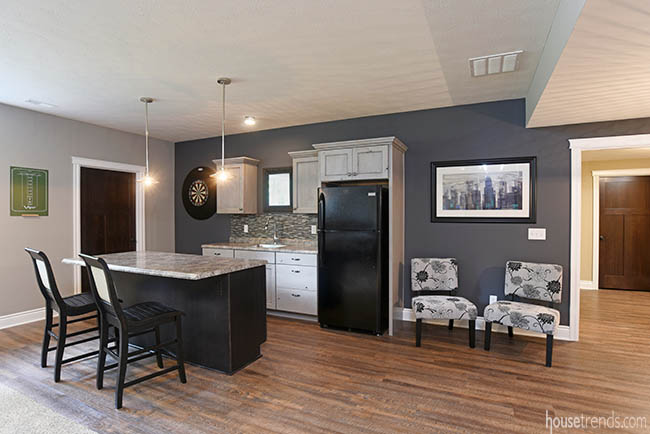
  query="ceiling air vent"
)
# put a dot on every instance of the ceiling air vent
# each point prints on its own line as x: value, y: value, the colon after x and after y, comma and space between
x: 494, y: 64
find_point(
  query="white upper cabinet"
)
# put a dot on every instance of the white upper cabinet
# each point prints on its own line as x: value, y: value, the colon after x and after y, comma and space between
x: 335, y: 164
x: 238, y: 193
x: 306, y: 181
x: 356, y: 160
x: 370, y: 163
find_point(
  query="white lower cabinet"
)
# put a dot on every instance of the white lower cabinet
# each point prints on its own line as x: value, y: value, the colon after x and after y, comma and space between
x: 297, y: 300
x: 291, y: 278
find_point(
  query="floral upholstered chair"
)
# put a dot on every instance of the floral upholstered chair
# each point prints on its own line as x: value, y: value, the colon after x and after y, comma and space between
x: 435, y: 275
x: 542, y: 282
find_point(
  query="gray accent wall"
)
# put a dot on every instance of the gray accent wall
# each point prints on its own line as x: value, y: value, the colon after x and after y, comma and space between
x: 488, y: 130
x: 32, y: 139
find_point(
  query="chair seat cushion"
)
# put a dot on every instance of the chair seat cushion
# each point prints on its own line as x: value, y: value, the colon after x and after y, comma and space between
x: 523, y: 316
x: 149, y: 312
x: 443, y: 307
x: 80, y: 304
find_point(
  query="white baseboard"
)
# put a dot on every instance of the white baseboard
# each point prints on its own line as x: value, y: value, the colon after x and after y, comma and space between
x: 406, y: 314
x: 588, y: 284
x: 16, y: 319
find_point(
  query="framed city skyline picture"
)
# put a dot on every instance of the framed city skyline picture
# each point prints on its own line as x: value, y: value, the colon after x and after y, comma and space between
x: 495, y: 190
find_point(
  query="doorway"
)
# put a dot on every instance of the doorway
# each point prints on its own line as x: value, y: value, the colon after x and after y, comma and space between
x: 125, y: 175
x: 624, y: 233
x: 107, y: 213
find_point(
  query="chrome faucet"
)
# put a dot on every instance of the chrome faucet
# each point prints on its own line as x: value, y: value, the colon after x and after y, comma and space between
x: 275, y: 229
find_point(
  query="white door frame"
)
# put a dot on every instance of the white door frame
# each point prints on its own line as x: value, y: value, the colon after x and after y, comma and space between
x: 77, y: 164
x: 597, y: 174
x: 577, y: 146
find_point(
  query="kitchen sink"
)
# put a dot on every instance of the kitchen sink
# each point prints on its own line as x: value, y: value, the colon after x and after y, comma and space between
x: 271, y: 246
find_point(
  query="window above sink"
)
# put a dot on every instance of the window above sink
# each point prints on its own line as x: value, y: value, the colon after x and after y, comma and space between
x: 278, y: 185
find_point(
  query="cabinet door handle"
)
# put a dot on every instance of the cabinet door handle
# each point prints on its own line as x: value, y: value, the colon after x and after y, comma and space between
x: 295, y: 295
x: 295, y: 271
x: 241, y: 209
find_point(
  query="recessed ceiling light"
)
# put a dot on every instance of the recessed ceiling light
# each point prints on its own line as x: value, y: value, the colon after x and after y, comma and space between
x: 39, y: 103
x: 494, y: 63
x: 249, y: 120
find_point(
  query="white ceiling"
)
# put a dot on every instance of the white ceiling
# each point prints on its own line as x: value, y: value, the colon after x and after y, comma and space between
x: 604, y: 71
x: 292, y: 61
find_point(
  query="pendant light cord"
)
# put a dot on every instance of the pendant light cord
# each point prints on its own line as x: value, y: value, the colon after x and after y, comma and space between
x: 146, y: 136
x: 223, y: 126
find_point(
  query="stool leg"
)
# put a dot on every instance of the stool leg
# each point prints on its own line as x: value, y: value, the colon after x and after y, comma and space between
x: 101, y: 358
x: 180, y: 356
x: 60, y: 346
x: 488, y: 335
x: 46, y: 334
x: 124, y: 355
x: 418, y: 332
x: 472, y: 333
x: 451, y: 324
x: 159, y: 359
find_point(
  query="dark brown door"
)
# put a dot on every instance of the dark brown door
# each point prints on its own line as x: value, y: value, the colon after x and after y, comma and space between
x: 624, y: 251
x: 107, y: 213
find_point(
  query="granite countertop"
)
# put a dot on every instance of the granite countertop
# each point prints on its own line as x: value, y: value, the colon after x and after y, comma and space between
x: 288, y: 248
x: 173, y: 265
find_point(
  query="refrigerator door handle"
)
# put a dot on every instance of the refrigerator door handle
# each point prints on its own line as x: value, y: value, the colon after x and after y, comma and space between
x: 321, y: 249
x: 321, y: 210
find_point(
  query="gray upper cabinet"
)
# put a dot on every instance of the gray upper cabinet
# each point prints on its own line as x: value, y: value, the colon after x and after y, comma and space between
x: 370, y: 163
x: 306, y: 181
x: 352, y: 161
x: 238, y: 194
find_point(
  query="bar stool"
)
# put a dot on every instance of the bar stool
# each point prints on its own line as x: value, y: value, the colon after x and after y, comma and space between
x: 131, y: 321
x: 67, y: 307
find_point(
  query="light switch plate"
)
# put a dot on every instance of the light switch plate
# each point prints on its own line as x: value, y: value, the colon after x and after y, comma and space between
x: 245, y: 229
x: 493, y: 299
x: 313, y: 229
x: 537, y: 233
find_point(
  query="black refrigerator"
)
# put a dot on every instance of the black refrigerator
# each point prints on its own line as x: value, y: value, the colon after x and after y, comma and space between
x: 353, y: 257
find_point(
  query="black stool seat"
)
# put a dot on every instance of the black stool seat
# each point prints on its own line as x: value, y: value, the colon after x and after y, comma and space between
x: 80, y: 304
x: 143, y: 315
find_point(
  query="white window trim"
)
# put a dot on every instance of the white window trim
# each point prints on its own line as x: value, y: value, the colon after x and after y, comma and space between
x: 77, y: 164
x: 596, y: 175
x: 577, y: 146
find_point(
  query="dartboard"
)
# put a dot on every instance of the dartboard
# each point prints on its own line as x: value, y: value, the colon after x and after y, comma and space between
x: 200, y: 193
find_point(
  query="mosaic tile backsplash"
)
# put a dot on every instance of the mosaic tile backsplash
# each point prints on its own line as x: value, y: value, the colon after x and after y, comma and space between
x: 290, y: 226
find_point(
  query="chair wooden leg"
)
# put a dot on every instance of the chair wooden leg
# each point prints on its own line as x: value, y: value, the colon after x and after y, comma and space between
x: 488, y: 335
x: 472, y: 333
x: 60, y: 346
x: 549, y: 350
x: 511, y: 332
x: 101, y: 357
x: 46, y: 335
x: 418, y: 332
x: 451, y: 324
x: 124, y: 355
x: 180, y: 356
x: 116, y: 332
x: 159, y: 359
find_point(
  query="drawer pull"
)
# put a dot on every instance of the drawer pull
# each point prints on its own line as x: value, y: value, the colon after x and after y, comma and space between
x: 295, y: 259
x: 295, y: 295
x: 217, y: 254
x: 295, y: 271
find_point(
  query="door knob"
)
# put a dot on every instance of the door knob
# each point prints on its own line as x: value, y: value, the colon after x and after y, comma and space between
x: 602, y: 238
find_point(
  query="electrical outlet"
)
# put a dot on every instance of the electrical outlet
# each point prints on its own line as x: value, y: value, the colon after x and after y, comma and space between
x: 537, y: 234
x: 493, y: 299
x: 245, y: 229
x: 313, y: 229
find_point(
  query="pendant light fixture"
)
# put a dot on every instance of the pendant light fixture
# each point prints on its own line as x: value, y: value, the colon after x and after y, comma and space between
x: 147, y: 180
x: 221, y: 174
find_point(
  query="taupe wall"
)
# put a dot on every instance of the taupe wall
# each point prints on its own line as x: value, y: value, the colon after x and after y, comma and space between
x: 32, y: 139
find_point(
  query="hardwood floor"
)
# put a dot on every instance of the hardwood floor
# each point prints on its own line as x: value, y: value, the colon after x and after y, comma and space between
x: 314, y: 380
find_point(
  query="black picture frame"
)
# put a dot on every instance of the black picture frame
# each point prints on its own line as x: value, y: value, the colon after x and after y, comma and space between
x: 532, y: 215
x: 265, y: 189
